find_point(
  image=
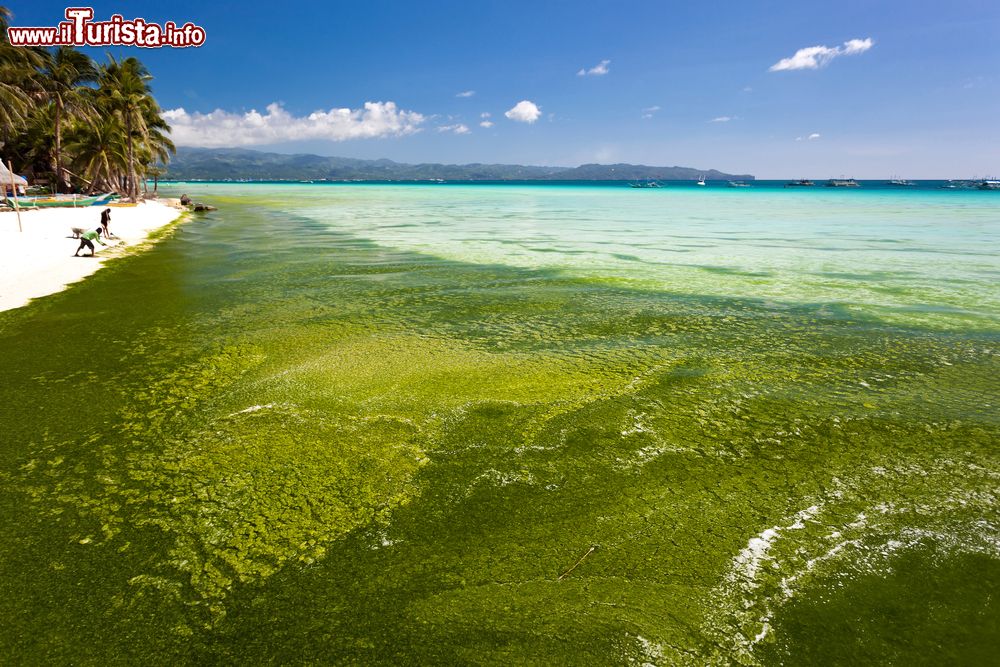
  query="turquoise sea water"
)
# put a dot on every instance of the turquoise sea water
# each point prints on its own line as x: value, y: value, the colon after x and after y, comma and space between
x: 927, y: 256
x: 519, y: 424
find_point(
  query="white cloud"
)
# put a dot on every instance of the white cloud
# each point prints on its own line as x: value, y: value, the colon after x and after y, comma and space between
x: 600, y: 69
x: 722, y: 119
x: 222, y: 128
x: 524, y: 112
x: 487, y: 124
x: 814, y: 57
x: 458, y: 128
x: 649, y: 111
x: 813, y: 136
x: 856, y: 46
x: 485, y: 114
x: 466, y: 93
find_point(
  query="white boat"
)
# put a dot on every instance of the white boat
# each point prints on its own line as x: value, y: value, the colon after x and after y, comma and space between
x: 739, y: 184
x: 701, y: 180
x: 989, y: 184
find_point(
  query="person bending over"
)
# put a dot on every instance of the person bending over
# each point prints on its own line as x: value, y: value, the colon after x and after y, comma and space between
x: 87, y: 241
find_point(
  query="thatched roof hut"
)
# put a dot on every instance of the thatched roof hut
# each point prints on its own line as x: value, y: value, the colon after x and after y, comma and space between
x: 5, y: 179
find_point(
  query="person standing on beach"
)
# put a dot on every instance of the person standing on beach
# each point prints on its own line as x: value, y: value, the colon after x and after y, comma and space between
x: 105, y: 220
x: 87, y: 241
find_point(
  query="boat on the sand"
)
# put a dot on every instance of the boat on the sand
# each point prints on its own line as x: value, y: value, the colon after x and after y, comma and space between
x: 63, y: 201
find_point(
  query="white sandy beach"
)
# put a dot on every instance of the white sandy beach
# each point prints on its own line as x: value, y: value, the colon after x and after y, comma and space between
x: 40, y: 261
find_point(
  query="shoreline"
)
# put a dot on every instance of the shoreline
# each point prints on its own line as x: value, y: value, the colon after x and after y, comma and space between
x: 39, y: 261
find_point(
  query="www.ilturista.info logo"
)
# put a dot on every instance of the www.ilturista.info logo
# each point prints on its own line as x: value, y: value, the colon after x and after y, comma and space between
x: 79, y: 30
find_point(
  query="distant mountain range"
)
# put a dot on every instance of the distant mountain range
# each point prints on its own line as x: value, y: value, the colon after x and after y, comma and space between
x: 217, y: 164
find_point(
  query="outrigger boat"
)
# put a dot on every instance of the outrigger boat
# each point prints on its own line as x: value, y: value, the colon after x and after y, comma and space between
x: 647, y: 184
x: 900, y: 182
x: 842, y: 183
x: 63, y: 201
x: 989, y: 184
x: 801, y: 183
x: 739, y: 184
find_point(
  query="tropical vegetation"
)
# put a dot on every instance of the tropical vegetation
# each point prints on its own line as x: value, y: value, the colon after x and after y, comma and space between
x: 79, y: 125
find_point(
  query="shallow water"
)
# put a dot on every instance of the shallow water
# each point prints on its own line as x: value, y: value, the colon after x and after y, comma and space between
x: 514, y: 424
x: 902, y: 255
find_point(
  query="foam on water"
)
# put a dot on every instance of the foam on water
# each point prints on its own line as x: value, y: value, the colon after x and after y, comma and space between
x: 762, y: 579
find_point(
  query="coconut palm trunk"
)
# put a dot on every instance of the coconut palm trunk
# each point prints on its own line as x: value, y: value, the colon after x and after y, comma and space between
x: 132, y: 193
x: 60, y: 178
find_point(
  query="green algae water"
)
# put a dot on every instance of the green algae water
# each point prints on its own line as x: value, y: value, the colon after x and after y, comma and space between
x: 516, y: 425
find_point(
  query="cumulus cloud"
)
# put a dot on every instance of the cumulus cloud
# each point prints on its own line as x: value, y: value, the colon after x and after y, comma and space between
x: 223, y: 128
x: 722, y: 119
x: 814, y: 57
x: 465, y: 93
x: 812, y: 137
x: 600, y: 69
x: 458, y: 128
x: 649, y: 111
x: 524, y: 112
x: 487, y: 124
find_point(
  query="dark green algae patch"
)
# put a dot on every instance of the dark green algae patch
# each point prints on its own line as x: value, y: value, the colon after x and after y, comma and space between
x: 262, y: 441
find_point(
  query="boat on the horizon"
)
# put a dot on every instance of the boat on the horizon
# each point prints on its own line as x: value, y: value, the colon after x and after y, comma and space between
x: 63, y: 201
x: 646, y: 184
x: 738, y: 184
x: 801, y: 183
x: 701, y: 180
x: 960, y: 184
x: 989, y: 184
x: 842, y: 183
x: 900, y: 182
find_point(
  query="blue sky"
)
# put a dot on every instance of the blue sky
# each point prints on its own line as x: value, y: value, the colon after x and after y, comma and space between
x: 687, y: 83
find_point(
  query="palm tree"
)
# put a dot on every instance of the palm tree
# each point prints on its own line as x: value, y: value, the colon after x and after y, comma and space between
x: 18, y: 81
x: 34, y: 142
x: 100, y: 150
x: 114, y: 132
x: 65, y: 73
x: 158, y: 146
x: 15, y: 103
x: 124, y: 90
